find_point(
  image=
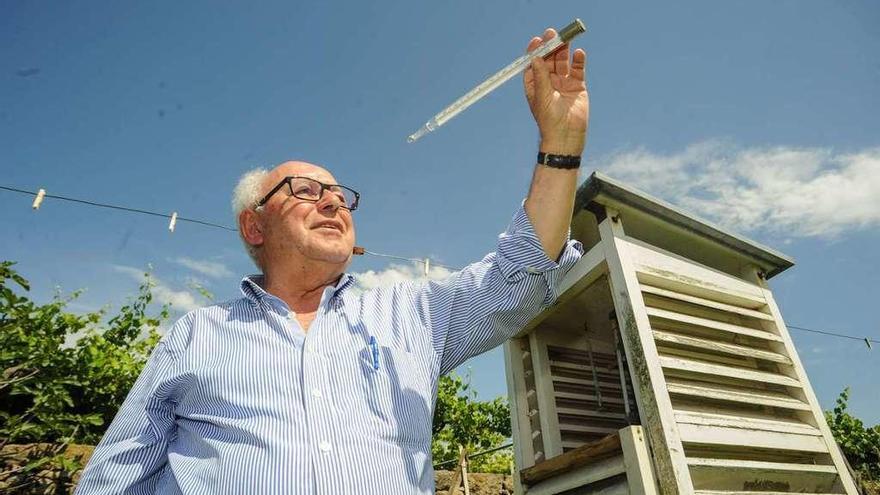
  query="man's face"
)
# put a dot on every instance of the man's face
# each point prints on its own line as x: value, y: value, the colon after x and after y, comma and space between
x: 317, y: 231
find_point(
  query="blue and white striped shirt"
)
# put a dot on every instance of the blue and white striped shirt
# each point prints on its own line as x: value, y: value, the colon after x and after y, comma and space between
x: 236, y: 398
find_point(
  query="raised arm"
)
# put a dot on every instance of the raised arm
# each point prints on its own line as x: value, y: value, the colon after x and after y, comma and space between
x: 557, y: 95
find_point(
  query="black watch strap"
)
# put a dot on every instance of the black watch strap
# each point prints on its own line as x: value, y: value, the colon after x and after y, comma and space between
x: 559, y: 161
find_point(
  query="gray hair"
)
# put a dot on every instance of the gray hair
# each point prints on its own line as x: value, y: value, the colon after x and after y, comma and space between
x: 245, y: 196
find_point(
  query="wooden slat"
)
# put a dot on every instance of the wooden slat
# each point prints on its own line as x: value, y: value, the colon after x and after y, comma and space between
x: 717, y: 435
x: 732, y: 395
x: 640, y: 478
x: 726, y: 371
x: 647, y: 376
x: 719, y: 347
x: 581, y: 456
x: 606, y: 384
x: 588, y: 397
x: 664, y: 269
x: 708, y: 303
x: 598, y: 430
x: 552, y: 442
x: 739, y: 492
x: 711, y: 324
x: 590, y: 414
x: 585, y: 476
x: 516, y: 364
x: 744, y: 422
x: 786, y: 467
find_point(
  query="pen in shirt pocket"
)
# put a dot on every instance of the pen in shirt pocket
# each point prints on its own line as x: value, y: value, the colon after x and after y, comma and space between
x: 374, y: 352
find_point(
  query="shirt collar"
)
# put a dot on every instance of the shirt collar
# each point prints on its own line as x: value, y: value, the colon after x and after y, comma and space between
x: 252, y: 287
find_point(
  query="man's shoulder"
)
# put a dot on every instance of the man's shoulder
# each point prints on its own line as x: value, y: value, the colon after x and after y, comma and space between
x: 211, y: 316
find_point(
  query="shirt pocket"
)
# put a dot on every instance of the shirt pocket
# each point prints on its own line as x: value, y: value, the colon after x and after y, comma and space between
x: 398, y: 394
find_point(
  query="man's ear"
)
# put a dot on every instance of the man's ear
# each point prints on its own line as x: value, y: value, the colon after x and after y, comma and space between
x: 249, y: 226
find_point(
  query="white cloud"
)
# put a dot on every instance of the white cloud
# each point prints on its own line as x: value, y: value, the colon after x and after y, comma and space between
x: 180, y: 300
x: 396, y: 273
x: 799, y: 192
x: 212, y: 269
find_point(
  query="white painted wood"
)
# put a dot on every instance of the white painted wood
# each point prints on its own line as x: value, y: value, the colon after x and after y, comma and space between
x: 575, y: 340
x: 799, y: 372
x: 654, y: 404
x: 723, y: 492
x: 524, y: 455
x: 702, y: 355
x: 589, y: 268
x: 577, y: 428
x: 739, y: 420
x: 589, y: 397
x: 719, y: 347
x: 708, y: 303
x: 639, y: 467
x: 603, y: 383
x: 727, y: 371
x: 717, y: 435
x: 761, y: 465
x: 712, y: 324
x: 585, y: 272
x: 720, y: 392
x: 687, y: 276
x: 590, y: 414
x: 546, y: 400
x: 579, y: 477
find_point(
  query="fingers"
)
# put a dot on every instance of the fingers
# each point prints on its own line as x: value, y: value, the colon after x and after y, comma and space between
x: 534, y: 43
x: 529, y: 75
x: 559, y: 60
x: 540, y: 70
x: 578, y: 64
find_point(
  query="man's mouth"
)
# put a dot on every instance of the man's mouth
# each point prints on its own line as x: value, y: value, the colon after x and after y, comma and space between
x: 333, y: 226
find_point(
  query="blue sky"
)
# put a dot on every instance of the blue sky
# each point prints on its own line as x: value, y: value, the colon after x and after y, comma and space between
x: 762, y: 116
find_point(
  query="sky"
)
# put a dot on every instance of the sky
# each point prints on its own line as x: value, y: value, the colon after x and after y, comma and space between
x: 760, y: 116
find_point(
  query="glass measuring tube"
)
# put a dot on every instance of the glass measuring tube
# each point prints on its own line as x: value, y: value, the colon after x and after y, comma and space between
x: 497, y: 79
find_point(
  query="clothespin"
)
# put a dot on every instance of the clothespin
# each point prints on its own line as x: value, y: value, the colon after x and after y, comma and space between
x: 427, y: 265
x: 173, y: 221
x: 358, y: 251
x: 868, y: 342
x: 39, y: 199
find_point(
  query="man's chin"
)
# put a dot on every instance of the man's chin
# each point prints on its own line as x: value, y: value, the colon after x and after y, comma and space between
x: 333, y: 254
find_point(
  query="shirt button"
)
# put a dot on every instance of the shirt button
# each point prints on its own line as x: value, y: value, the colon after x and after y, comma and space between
x: 316, y: 392
x: 325, y: 446
x: 291, y: 316
x: 532, y: 270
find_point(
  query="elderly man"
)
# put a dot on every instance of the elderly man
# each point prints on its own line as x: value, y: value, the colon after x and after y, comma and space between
x: 305, y: 386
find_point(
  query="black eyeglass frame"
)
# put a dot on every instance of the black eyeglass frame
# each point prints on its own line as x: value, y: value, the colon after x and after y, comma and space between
x: 324, y: 187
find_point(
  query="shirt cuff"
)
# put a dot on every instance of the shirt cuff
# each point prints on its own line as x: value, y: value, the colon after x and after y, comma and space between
x: 520, y: 254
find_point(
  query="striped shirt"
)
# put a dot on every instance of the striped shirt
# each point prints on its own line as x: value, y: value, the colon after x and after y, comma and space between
x: 236, y: 398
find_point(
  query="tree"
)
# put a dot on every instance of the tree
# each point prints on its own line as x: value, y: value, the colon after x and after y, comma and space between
x: 63, y: 376
x: 460, y: 419
x: 860, y: 444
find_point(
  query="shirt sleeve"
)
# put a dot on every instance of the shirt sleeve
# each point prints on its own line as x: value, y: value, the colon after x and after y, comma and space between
x: 132, y: 455
x: 487, y: 302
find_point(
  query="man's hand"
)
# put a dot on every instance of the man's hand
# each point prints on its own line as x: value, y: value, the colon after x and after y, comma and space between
x: 557, y: 96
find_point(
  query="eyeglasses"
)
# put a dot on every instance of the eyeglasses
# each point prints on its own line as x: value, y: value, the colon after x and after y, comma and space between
x: 309, y: 189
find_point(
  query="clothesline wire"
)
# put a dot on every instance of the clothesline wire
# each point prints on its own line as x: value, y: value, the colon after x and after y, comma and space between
x: 200, y: 222
x: 371, y: 253
x: 833, y: 334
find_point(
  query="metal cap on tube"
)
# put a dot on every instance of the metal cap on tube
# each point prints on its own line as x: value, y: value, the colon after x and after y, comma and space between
x: 575, y: 28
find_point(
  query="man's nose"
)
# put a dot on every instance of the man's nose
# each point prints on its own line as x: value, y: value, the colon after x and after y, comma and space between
x: 329, y: 202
